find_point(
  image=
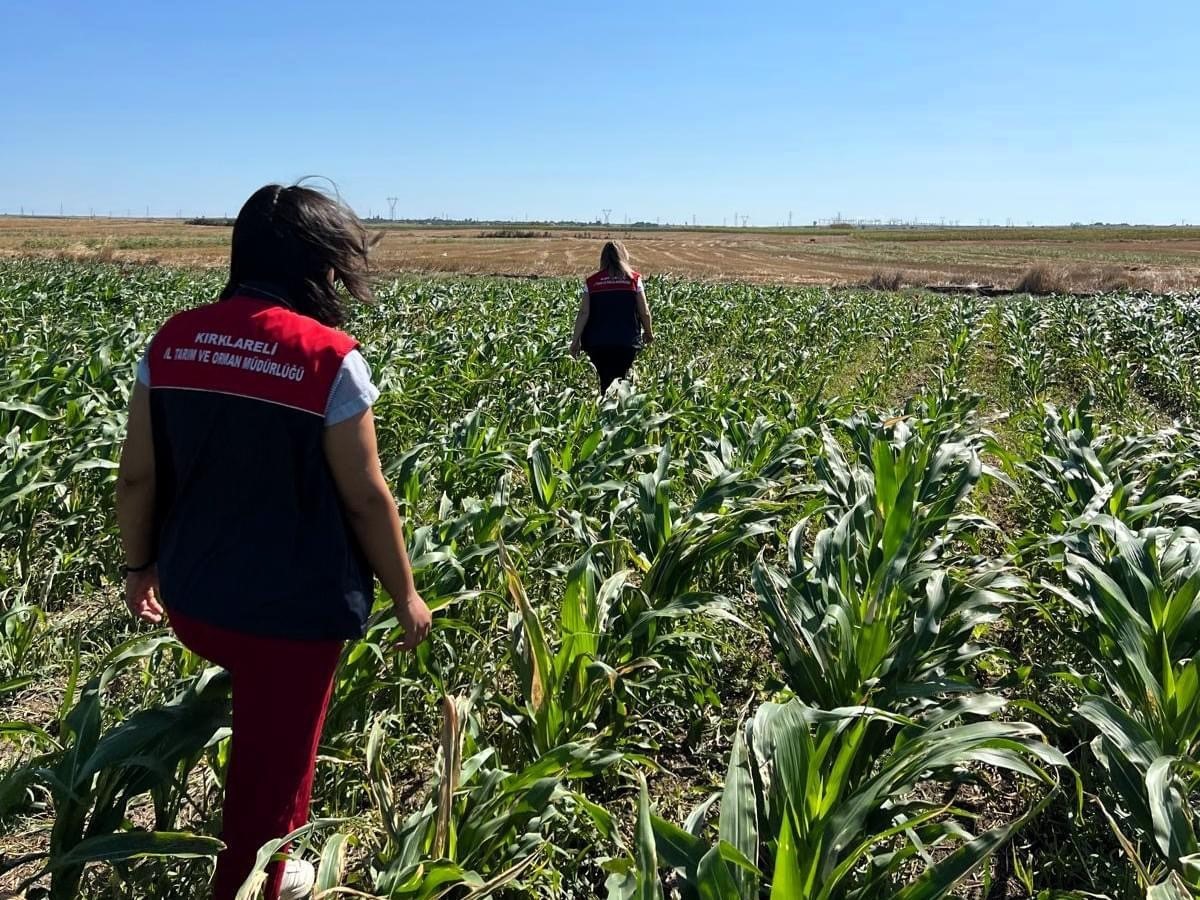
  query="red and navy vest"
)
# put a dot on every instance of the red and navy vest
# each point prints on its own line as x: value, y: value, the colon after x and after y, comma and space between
x: 612, y: 312
x: 251, y: 533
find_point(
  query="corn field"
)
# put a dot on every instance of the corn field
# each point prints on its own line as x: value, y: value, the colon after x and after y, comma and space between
x: 849, y: 594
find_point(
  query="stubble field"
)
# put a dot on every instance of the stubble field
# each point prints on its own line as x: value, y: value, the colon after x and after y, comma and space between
x: 1083, y: 259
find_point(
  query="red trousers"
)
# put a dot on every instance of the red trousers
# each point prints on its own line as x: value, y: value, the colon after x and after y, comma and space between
x: 281, y: 690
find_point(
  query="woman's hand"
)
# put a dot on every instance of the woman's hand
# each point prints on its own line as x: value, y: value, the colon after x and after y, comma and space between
x: 575, y: 347
x: 141, y: 595
x: 415, y: 618
x: 647, y: 336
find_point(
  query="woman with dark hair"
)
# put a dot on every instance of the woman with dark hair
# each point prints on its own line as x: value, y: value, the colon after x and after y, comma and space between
x: 613, y: 321
x: 253, y: 509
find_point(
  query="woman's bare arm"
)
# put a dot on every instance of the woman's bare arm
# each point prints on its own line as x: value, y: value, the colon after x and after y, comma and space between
x: 581, y: 317
x: 353, y: 456
x: 135, y: 482
x: 643, y: 310
x: 135, y: 508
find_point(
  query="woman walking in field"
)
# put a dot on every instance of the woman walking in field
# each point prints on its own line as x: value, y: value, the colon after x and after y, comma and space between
x: 613, y: 321
x: 253, y: 509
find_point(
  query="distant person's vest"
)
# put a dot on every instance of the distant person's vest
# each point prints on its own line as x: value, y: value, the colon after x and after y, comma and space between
x: 251, y: 532
x: 612, y: 312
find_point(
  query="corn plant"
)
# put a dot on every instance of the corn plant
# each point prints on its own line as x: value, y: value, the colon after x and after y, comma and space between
x: 1033, y: 362
x: 611, y: 646
x: 881, y: 610
x: 95, y: 775
x: 797, y: 822
x: 482, y: 826
x: 1137, y: 598
x: 1085, y: 471
x: 19, y: 629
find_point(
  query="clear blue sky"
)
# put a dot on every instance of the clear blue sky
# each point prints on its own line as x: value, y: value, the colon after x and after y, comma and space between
x: 1045, y: 111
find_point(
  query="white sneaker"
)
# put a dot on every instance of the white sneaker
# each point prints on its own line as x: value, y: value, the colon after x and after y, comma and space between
x: 298, y: 880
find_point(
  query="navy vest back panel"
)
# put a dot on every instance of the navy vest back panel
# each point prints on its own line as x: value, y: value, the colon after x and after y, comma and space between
x: 612, y: 312
x: 251, y: 532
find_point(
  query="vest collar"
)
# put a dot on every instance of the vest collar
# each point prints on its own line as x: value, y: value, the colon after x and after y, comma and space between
x: 263, y: 290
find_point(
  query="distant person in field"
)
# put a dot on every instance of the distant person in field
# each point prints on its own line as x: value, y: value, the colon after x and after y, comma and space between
x: 613, y: 322
x: 253, y: 509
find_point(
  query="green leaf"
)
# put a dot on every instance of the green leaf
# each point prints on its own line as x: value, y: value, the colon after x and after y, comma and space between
x: 787, y: 881
x: 127, y: 845
x: 739, y: 815
x: 648, y: 885
x: 677, y: 849
x: 1172, y: 825
x: 1171, y: 889
x: 333, y: 861
x: 714, y: 879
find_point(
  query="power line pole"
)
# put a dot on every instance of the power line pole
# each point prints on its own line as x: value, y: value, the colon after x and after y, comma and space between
x: 392, y: 201
x: 606, y: 212
x: 789, y: 218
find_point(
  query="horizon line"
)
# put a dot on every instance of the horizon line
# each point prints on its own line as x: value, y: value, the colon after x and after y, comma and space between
x: 842, y: 224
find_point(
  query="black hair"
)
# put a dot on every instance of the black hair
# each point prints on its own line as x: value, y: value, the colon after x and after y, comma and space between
x: 292, y: 237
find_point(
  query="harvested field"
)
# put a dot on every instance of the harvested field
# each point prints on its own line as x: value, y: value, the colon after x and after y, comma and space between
x: 1088, y: 258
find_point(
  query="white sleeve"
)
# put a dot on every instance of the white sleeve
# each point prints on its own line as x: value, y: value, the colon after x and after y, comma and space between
x: 352, y: 391
x: 143, y: 369
x: 638, y: 286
